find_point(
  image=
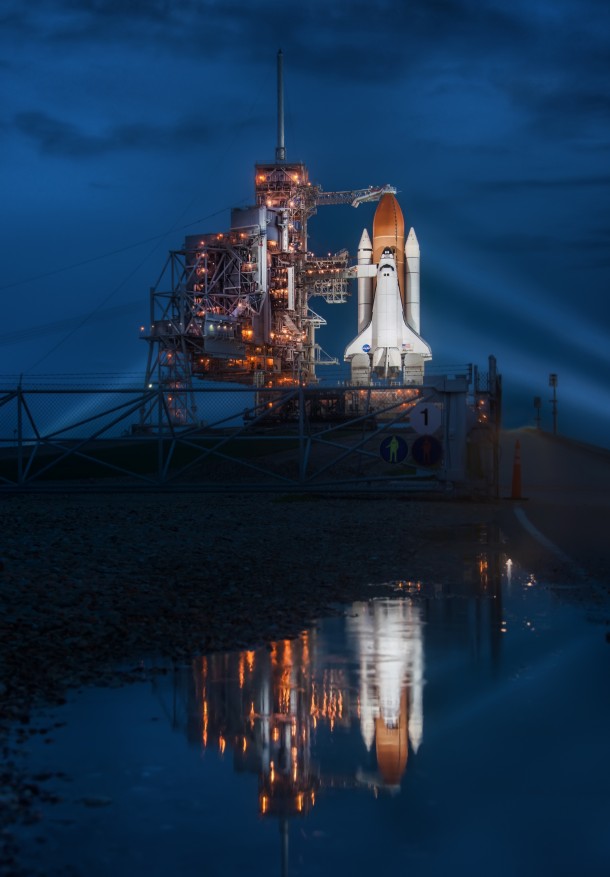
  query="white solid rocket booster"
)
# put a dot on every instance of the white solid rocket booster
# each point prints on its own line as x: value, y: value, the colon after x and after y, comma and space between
x: 412, y: 261
x: 365, y: 284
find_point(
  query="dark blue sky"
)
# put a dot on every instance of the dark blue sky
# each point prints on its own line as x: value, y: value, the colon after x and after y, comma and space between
x: 128, y: 123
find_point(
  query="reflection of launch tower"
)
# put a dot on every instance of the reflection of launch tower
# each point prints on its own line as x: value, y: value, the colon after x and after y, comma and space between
x: 267, y: 706
x: 277, y: 710
x: 302, y: 715
x: 236, y: 307
x: 260, y: 705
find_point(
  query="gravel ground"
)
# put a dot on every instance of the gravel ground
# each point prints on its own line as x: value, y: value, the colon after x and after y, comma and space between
x: 88, y: 581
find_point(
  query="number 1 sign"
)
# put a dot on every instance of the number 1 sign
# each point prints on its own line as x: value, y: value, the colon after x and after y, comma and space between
x: 425, y: 418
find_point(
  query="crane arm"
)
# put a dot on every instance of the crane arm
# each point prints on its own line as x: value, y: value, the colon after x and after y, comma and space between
x: 353, y: 196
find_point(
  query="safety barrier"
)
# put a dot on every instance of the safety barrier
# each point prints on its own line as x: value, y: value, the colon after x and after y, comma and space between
x: 298, y: 438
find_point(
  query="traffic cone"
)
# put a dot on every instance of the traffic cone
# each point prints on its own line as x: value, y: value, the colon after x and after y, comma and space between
x: 516, y: 488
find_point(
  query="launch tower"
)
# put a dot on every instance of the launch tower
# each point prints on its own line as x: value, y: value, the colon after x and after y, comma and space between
x: 235, y: 305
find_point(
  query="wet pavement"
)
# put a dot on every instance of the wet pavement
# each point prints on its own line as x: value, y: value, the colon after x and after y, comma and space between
x: 565, y: 490
x: 436, y: 729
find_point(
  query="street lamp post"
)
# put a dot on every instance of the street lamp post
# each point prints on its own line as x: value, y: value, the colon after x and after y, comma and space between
x: 537, y: 406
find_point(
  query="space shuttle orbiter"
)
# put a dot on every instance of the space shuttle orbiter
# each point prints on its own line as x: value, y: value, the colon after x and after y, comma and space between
x: 388, y: 344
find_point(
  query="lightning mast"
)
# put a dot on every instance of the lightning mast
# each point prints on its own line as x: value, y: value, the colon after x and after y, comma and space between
x: 280, y: 149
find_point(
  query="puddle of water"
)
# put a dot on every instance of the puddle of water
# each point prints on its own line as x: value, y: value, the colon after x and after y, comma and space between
x: 444, y: 731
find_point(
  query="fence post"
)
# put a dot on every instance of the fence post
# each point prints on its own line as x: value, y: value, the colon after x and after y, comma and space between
x: 159, y: 433
x: 19, y: 434
x: 454, y: 397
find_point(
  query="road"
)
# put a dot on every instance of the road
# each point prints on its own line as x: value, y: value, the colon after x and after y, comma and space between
x: 565, y: 501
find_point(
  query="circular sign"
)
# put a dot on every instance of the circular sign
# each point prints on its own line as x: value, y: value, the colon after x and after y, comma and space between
x: 366, y: 348
x: 425, y: 417
x: 393, y: 449
x: 427, y: 451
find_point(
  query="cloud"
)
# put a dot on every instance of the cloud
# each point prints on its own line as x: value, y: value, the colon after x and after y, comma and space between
x: 56, y: 137
x: 74, y: 24
x: 574, y: 103
x: 574, y: 107
x: 560, y: 84
x: 373, y: 42
x: 518, y: 185
x: 352, y: 40
x: 138, y: 9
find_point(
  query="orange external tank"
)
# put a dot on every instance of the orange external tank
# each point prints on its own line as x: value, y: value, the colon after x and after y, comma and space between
x: 392, y: 745
x: 389, y: 231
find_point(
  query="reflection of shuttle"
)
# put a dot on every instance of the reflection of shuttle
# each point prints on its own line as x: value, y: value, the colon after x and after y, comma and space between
x: 387, y: 635
x: 388, y: 344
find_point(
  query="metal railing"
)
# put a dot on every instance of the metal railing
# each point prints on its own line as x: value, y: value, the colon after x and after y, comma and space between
x: 338, y: 438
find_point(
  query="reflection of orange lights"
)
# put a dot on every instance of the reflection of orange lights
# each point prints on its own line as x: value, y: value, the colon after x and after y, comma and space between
x: 408, y: 586
x: 241, y: 670
x: 271, y: 773
x: 251, y: 714
x: 305, y: 641
x: 244, y: 745
x: 284, y: 692
x: 264, y: 804
x: 287, y: 652
x: 205, y: 724
x: 331, y: 707
x: 299, y: 802
x: 222, y: 744
x: 250, y: 660
x: 275, y: 734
